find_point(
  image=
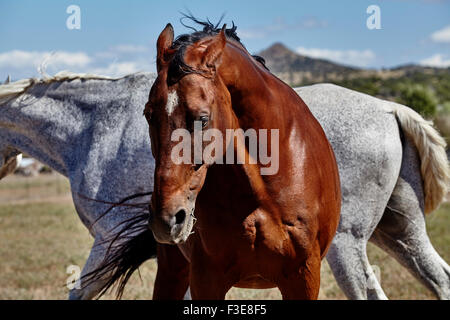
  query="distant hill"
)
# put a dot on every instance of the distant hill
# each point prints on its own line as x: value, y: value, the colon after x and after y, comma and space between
x: 296, y: 69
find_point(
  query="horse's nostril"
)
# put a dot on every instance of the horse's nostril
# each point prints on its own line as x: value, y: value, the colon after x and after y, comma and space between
x: 180, y: 216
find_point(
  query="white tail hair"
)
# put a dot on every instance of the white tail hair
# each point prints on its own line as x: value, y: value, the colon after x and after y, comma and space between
x: 431, y: 147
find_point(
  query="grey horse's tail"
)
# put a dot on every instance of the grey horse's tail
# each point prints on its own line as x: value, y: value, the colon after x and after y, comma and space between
x: 130, y: 244
x: 431, y: 148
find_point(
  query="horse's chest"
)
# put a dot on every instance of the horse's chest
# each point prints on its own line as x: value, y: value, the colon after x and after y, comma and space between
x: 252, y: 237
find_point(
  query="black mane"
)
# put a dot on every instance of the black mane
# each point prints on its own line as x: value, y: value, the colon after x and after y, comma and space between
x: 178, y: 68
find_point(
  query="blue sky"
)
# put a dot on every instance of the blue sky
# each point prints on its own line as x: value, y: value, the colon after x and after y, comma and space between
x: 118, y: 37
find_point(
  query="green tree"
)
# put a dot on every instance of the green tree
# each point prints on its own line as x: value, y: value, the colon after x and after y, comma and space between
x: 419, y: 98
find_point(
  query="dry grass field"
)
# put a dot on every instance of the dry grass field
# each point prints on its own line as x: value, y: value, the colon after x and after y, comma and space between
x: 41, y: 235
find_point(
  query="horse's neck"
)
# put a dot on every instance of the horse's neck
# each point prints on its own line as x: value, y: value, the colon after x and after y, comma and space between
x: 244, y: 82
x: 260, y: 101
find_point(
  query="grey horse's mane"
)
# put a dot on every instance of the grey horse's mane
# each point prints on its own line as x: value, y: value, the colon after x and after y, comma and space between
x: 14, y: 89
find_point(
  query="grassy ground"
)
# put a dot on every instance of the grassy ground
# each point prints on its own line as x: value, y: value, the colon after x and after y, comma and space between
x: 41, y: 235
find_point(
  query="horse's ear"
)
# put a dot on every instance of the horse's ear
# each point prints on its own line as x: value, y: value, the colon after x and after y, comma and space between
x: 214, y: 51
x: 163, y: 45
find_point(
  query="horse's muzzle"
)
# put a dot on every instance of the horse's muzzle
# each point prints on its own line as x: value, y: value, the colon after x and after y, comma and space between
x: 172, y: 228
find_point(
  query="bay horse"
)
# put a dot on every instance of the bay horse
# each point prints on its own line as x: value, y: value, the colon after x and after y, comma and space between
x: 254, y: 230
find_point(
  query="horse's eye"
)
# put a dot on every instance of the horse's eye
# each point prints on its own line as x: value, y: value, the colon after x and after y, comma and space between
x: 204, y: 120
x: 196, y: 121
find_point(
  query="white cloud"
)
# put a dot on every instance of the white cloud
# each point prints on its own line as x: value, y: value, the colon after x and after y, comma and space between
x: 122, y: 50
x: 442, y: 35
x: 32, y: 59
x: 130, y: 48
x: 360, y: 58
x: 117, y: 69
x: 117, y: 61
x: 436, y: 60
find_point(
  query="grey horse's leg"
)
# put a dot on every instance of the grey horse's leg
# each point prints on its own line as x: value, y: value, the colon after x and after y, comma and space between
x: 348, y: 260
x: 96, y: 256
x: 402, y: 231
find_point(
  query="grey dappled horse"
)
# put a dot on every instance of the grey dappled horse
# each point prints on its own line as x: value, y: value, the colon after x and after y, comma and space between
x: 91, y: 129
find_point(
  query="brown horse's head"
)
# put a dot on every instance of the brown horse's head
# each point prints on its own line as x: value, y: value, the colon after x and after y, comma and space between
x: 186, y: 99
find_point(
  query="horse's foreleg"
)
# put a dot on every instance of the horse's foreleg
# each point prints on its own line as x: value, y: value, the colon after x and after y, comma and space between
x: 80, y: 292
x: 172, y: 278
x: 304, y: 283
x: 208, y: 280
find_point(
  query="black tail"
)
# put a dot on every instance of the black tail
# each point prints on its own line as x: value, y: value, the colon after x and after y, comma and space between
x: 129, y: 247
